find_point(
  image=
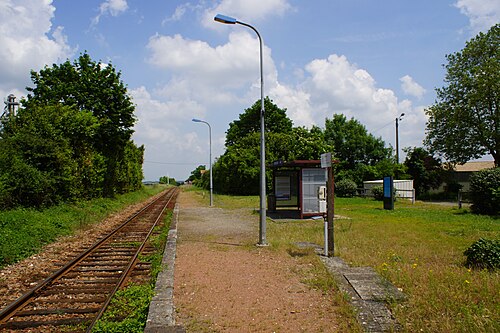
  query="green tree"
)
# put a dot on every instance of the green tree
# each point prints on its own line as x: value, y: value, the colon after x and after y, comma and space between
x: 425, y: 170
x: 196, y: 173
x: 168, y: 180
x: 97, y: 88
x: 464, y: 122
x: 46, y: 157
x: 276, y: 121
x: 237, y: 171
x: 352, y: 142
x: 361, y: 155
x: 485, y: 191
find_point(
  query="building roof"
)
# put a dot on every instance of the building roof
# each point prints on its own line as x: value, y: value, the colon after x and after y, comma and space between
x: 474, y: 166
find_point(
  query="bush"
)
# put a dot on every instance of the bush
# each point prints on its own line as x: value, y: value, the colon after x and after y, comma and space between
x: 485, y: 191
x: 378, y: 193
x: 345, y: 188
x: 484, y: 253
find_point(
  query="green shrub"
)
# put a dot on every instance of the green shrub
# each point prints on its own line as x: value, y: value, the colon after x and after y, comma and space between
x: 484, y: 253
x: 485, y: 190
x: 345, y: 188
x: 378, y: 193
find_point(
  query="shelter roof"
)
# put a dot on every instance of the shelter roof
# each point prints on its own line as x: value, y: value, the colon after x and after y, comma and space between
x: 296, y: 164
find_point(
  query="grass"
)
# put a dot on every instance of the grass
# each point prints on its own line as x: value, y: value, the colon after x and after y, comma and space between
x: 23, y: 232
x: 419, y: 248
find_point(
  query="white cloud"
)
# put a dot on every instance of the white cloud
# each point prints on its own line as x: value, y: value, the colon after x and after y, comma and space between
x: 167, y: 123
x: 111, y: 7
x: 180, y: 11
x: 410, y: 87
x: 28, y: 41
x: 160, y: 121
x: 482, y: 14
x: 296, y: 101
x: 246, y: 10
x: 208, y: 72
x: 341, y: 87
x: 334, y: 85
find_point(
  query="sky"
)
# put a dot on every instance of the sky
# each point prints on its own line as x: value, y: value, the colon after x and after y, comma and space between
x: 369, y: 60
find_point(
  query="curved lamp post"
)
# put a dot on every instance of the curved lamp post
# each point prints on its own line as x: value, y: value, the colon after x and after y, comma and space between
x: 262, y: 225
x: 397, y: 136
x: 210, y: 156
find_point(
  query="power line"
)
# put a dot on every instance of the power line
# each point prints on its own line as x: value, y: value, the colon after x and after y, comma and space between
x: 389, y: 123
x: 173, y: 163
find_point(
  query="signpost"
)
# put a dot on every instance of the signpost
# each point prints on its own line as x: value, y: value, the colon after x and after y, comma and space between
x: 326, y: 162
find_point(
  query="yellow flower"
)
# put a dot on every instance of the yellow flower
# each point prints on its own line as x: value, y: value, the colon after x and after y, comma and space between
x: 414, y: 265
x: 467, y: 281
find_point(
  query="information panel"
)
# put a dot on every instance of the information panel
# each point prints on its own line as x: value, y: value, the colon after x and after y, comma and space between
x: 388, y: 193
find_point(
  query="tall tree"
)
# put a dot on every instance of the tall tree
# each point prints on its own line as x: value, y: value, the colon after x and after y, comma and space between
x: 464, y: 123
x: 249, y: 122
x: 425, y: 169
x: 97, y: 88
x: 361, y: 155
x: 237, y: 170
x: 352, y: 142
x: 46, y: 157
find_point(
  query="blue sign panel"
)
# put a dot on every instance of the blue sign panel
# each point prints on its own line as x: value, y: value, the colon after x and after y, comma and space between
x: 387, y: 187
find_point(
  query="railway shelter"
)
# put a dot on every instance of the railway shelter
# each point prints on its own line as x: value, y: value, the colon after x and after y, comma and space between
x: 295, y: 187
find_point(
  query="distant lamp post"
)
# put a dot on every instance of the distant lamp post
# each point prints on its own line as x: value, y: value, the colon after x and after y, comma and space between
x: 397, y: 136
x: 262, y: 226
x: 210, y: 157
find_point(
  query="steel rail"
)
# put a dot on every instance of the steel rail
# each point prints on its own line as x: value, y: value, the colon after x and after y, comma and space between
x: 26, y: 298
x: 129, y: 268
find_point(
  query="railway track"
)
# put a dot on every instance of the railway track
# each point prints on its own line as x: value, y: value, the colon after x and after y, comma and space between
x: 79, y: 292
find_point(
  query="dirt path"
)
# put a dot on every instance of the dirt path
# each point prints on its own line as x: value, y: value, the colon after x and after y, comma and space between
x: 224, y: 283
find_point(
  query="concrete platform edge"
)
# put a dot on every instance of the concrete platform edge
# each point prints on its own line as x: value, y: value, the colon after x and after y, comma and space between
x: 161, y: 316
x: 373, y: 315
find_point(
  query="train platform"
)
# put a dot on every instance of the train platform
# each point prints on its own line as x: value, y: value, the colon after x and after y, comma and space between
x: 216, y: 279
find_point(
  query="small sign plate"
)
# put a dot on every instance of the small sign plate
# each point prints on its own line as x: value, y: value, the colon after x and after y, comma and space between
x: 326, y: 160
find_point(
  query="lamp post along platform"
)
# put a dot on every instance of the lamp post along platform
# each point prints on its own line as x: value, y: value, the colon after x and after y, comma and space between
x: 210, y: 156
x: 262, y: 211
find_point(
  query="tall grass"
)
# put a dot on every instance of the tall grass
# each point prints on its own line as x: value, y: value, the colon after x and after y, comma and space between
x: 419, y: 248
x: 24, y: 232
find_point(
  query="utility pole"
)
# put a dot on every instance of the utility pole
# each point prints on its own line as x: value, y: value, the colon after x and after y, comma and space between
x: 397, y: 136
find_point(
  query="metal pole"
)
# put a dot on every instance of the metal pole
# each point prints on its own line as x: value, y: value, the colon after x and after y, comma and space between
x: 262, y: 225
x: 326, y: 236
x: 397, y: 141
x: 210, y: 157
x: 262, y: 212
x: 330, y: 212
x: 397, y: 136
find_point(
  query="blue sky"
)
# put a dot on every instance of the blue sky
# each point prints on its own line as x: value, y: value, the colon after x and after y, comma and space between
x: 371, y: 60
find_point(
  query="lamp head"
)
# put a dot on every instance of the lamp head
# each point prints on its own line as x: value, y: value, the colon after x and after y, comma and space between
x: 196, y: 120
x: 225, y: 19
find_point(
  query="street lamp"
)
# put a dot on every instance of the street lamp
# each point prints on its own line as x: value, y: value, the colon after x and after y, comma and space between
x: 262, y: 213
x: 210, y: 157
x: 397, y: 136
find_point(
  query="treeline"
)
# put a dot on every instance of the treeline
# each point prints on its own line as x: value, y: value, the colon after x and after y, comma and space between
x: 361, y: 155
x: 70, y: 139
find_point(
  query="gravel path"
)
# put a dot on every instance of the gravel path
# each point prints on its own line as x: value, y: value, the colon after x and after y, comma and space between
x: 224, y: 283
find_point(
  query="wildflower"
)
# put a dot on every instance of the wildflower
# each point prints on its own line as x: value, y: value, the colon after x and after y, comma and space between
x: 467, y: 281
x: 414, y: 265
